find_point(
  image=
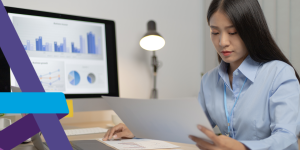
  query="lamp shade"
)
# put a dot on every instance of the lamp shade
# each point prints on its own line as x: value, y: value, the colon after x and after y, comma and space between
x: 152, y: 41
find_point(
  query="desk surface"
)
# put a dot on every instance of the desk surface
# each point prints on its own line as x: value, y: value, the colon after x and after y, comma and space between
x: 98, y: 136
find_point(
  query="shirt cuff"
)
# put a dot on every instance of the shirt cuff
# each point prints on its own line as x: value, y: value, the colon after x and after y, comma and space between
x: 256, y: 145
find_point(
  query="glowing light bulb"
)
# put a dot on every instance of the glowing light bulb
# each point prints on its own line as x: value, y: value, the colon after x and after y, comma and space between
x: 152, y: 42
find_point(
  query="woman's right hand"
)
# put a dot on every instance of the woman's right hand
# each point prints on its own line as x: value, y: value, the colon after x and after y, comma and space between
x: 117, y: 132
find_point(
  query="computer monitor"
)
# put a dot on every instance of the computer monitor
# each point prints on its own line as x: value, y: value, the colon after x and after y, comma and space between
x: 70, y: 54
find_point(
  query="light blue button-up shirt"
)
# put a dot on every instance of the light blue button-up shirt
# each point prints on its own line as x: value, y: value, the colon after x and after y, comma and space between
x: 266, y: 113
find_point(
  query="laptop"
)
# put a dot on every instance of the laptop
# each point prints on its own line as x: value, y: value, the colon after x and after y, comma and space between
x: 168, y: 120
x: 76, y: 145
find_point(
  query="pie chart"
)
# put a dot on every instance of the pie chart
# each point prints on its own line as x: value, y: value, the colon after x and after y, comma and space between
x: 74, y: 78
x: 91, y: 78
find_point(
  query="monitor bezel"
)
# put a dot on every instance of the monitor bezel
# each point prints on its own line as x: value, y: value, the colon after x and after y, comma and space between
x: 111, y: 49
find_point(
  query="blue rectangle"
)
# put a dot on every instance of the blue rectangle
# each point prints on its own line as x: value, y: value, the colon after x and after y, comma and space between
x: 93, y: 43
x: 37, y: 44
x: 55, y: 46
x: 28, y: 45
x: 33, y: 102
x: 89, y: 46
x: 40, y: 43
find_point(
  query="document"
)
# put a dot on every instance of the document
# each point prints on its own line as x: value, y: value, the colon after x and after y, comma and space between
x: 132, y: 144
x: 162, y: 119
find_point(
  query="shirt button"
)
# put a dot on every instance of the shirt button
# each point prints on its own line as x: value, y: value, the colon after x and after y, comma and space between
x: 236, y: 73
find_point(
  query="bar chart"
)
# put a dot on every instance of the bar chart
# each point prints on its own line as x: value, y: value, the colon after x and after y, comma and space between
x: 62, y: 47
x: 92, y: 47
x: 60, y: 36
x: 68, y: 56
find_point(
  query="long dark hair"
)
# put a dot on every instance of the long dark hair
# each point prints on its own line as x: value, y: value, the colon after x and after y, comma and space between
x: 249, y: 21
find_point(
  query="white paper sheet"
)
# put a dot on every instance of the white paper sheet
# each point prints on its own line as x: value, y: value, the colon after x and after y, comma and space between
x: 167, y: 120
x: 133, y: 144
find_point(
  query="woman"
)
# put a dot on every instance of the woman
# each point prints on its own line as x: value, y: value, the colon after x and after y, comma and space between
x: 253, y: 95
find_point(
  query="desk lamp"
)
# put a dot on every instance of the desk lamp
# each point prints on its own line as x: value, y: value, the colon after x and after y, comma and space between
x: 152, y: 41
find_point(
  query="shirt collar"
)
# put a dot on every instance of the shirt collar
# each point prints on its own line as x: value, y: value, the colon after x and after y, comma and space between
x: 248, y: 68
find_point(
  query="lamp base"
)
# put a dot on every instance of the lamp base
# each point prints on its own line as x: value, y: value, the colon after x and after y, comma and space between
x: 153, y: 94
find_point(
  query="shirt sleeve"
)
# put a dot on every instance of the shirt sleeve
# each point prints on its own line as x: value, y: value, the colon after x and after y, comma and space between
x: 284, y: 108
x: 202, y: 102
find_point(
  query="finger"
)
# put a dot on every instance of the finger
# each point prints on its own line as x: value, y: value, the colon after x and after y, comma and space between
x: 119, y: 135
x: 209, y: 134
x: 106, y: 135
x: 114, y: 129
x: 111, y: 133
x: 202, y: 143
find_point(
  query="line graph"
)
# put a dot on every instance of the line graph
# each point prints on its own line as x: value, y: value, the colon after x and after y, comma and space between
x: 50, y: 77
x: 51, y: 74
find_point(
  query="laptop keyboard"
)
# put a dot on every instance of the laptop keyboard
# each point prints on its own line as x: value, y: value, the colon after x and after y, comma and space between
x: 82, y: 131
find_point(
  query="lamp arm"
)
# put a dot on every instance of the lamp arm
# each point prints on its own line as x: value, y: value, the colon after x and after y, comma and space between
x: 155, y: 66
x: 154, y: 62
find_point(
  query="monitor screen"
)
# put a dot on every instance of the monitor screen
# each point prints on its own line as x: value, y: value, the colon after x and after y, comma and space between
x: 68, y: 55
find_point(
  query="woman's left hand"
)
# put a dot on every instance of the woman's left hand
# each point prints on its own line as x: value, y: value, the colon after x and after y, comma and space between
x: 219, y: 142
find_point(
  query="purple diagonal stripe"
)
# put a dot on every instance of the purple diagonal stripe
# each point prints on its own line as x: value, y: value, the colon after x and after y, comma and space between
x: 27, y: 78
x: 16, y: 56
x: 45, y: 126
x: 27, y: 126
